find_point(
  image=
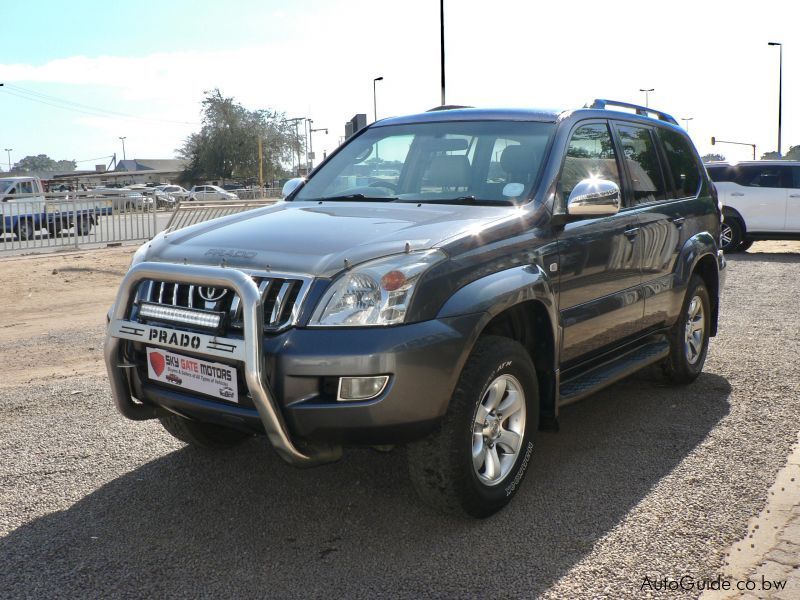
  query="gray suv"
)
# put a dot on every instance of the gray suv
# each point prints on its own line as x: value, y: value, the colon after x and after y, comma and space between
x: 447, y: 280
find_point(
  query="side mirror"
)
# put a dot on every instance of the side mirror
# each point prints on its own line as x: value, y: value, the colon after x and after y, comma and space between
x: 594, y: 198
x: 291, y: 186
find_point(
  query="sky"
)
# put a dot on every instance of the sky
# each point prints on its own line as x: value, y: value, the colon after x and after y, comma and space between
x: 81, y: 74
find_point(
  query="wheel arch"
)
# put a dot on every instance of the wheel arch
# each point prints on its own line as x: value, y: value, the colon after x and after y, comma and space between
x: 519, y: 304
x: 728, y: 212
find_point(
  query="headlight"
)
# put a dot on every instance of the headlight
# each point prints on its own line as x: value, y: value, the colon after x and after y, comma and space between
x: 375, y: 293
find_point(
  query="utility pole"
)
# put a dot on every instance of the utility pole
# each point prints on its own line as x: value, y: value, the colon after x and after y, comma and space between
x: 123, y: 146
x: 686, y: 121
x: 780, y: 91
x: 8, y: 151
x: 441, y: 43
x: 297, y: 139
x: 260, y: 165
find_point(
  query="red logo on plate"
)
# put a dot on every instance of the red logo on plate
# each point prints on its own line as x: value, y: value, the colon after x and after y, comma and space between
x: 157, y: 362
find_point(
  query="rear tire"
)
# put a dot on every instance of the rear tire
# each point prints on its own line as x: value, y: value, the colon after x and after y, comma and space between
x: 476, y: 461
x: 688, y: 338
x: 731, y: 235
x: 202, y: 435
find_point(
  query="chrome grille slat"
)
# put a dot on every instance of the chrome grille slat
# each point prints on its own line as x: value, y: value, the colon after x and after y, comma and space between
x: 276, y: 309
x: 282, y: 296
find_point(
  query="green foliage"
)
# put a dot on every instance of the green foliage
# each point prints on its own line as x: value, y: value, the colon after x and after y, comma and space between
x: 770, y: 156
x: 712, y: 157
x: 793, y: 153
x: 226, y: 147
x: 42, y: 162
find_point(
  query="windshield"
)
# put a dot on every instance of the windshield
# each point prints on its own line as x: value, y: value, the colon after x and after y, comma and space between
x: 486, y: 161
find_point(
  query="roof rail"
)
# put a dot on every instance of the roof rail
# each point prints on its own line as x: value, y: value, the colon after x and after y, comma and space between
x: 640, y: 110
x: 447, y: 107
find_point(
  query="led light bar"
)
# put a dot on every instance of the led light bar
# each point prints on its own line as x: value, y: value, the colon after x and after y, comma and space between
x: 185, y: 316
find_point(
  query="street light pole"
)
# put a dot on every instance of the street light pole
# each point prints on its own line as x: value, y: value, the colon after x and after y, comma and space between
x: 8, y: 150
x: 686, y: 120
x: 647, y: 95
x: 123, y: 146
x: 441, y: 43
x: 375, y: 98
x: 780, y: 90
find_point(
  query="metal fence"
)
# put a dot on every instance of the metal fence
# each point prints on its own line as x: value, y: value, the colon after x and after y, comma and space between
x: 189, y: 213
x: 53, y: 221
x: 258, y: 194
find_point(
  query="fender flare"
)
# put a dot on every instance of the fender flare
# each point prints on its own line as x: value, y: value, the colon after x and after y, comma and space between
x: 493, y: 294
x: 695, y: 249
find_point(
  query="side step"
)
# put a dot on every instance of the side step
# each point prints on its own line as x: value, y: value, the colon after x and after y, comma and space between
x: 611, y: 371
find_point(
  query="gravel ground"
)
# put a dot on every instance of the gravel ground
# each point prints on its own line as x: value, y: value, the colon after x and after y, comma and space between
x: 642, y: 480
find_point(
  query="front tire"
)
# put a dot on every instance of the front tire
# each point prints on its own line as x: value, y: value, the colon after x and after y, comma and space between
x: 689, y: 337
x: 202, y: 435
x: 475, y: 462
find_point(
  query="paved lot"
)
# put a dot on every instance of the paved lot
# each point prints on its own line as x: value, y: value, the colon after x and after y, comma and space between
x: 642, y: 480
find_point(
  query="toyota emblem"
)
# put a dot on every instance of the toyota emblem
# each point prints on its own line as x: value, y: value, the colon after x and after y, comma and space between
x: 210, y: 294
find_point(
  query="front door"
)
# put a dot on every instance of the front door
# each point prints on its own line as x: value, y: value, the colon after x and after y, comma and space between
x: 793, y: 202
x: 759, y: 193
x: 600, y: 298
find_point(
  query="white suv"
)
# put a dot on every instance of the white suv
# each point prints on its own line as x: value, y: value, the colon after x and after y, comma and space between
x: 761, y: 201
x: 210, y: 192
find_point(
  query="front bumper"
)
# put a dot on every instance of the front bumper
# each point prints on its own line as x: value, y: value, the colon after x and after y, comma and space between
x: 287, y: 378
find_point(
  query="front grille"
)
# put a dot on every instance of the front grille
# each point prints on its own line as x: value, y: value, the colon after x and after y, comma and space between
x: 281, y: 298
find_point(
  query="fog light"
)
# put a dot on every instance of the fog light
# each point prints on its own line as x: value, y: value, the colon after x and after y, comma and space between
x: 361, y: 388
x: 185, y: 316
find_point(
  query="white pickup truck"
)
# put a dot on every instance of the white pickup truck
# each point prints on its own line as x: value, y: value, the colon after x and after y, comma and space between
x: 26, y: 209
x: 761, y: 201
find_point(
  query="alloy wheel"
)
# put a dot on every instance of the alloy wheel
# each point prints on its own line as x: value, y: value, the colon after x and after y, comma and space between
x: 498, y: 430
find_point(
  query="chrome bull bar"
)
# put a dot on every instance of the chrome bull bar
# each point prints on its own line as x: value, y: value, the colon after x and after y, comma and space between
x: 252, y: 352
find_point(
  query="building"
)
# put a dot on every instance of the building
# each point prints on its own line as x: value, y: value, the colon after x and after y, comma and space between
x: 128, y: 172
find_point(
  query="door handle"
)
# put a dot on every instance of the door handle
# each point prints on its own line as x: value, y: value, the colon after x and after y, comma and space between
x: 679, y: 221
x: 794, y: 195
x: 737, y: 194
x: 632, y: 233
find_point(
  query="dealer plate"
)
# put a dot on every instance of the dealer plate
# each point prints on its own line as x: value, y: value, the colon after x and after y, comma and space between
x: 209, y: 378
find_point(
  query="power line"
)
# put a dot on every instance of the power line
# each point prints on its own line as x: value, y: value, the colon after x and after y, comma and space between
x: 86, y: 109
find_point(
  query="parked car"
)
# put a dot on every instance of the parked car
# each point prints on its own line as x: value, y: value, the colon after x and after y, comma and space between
x: 124, y: 198
x: 520, y: 261
x: 177, y: 192
x: 210, y: 192
x: 761, y: 201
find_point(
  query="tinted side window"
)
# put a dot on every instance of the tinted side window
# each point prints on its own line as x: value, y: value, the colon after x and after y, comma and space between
x: 761, y: 176
x: 590, y: 154
x: 796, y: 177
x: 682, y: 163
x: 641, y: 159
x: 721, y: 173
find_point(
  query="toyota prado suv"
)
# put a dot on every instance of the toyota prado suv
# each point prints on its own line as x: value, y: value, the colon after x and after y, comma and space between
x: 447, y: 280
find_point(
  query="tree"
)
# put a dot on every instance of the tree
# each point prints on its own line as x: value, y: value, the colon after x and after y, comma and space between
x: 226, y: 147
x: 793, y: 153
x: 42, y: 162
x: 712, y: 157
x: 770, y: 156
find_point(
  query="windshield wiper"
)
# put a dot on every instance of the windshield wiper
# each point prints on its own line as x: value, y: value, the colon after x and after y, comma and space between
x: 358, y: 197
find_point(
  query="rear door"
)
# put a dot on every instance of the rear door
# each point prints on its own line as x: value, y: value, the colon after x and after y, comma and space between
x: 793, y: 202
x: 669, y: 216
x: 600, y: 297
x: 759, y: 193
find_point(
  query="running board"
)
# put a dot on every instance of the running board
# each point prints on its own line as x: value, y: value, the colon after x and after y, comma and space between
x: 611, y: 371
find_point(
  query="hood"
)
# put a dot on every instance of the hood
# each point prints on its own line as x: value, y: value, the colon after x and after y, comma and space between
x: 315, y: 239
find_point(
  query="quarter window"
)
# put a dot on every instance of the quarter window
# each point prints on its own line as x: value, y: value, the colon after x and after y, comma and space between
x: 682, y: 163
x: 641, y: 159
x: 590, y: 155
